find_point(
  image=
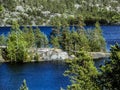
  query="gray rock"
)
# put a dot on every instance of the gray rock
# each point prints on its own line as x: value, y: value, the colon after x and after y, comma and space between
x: 99, y: 55
x: 52, y: 54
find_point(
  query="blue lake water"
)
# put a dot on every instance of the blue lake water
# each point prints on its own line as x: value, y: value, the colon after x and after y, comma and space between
x: 39, y: 76
x: 45, y: 75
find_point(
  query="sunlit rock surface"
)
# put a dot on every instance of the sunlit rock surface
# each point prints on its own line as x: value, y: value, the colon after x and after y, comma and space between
x: 52, y: 54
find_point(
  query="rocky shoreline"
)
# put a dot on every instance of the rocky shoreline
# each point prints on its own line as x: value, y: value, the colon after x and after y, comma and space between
x: 52, y: 54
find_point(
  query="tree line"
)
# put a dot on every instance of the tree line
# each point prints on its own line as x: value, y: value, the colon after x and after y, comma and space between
x: 104, y: 11
x: 77, y: 38
x: 20, y: 41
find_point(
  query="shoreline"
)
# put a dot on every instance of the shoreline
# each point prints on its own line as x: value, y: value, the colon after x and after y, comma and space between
x: 95, y: 56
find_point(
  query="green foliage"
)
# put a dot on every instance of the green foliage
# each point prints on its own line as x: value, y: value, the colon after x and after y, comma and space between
x: 29, y: 36
x: 73, y: 41
x: 55, y: 42
x: 59, y: 11
x: 96, y: 40
x: 110, y: 73
x: 24, y: 86
x: 40, y: 39
x: 65, y: 40
x: 17, y: 45
x: 1, y: 8
x: 82, y: 72
x: 36, y: 57
x: 2, y: 40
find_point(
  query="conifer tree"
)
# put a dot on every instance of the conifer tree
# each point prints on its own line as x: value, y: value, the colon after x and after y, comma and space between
x: 110, y: 73
x: 65, y: 40
x: 2, y: 40
x: 24, y: 86
x: 17, y: 45
x: 96, y: 40
x: 29, y: 36
x: 55, y: 42
x: 82, y: 72
x: 40, y: 39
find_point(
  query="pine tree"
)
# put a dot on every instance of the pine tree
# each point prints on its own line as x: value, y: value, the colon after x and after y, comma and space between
x: 2, y: 40
x: 29, y: 36
x: 55, y: 42
x: 17, y: 45
x: 82, y: 72
x: 40, y: 39
x: 96, y: 40
x: 110, y: 73
x: 65, y: 40
x: 24, y: 86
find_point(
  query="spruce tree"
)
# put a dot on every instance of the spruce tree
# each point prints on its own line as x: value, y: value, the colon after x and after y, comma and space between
x: 82, y: 72
x: 41, y: 39
x: 17, y: 45
x: 55, y: 42
x: 29, y: 36
x: 65, y: 40
x: 96, y: 40
x: 24, y: 86
x: 2, y: 40
x: 110, y: 73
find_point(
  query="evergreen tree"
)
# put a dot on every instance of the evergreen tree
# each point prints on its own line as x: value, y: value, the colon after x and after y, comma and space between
x: 83, y: 40
x: 65, y: 40
x: 96, y: 40
x: 16, y: 45
x: 82, y: 72
x: 55, y: 42
x: 24, y: 86
x: 40, y: 39
x: 110, y: 73
x: 29, y: 36
x: 2, y: 40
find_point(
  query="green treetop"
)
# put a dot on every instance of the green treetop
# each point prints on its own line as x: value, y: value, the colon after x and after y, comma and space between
x: 17, y: 45
x: 2, y: 40
x: 110, y: 73
x: 24, y: 86
x: 40, y: 39
x: 29, y: 36
x: 96, y: 39
x: 82, y: 72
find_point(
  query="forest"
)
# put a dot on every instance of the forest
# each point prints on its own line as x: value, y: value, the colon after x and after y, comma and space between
x: 62, y: 14
x: 59, y: 12
x: 20, y: 41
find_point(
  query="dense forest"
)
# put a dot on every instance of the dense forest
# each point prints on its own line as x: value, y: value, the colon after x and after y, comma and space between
x: 59, y: 12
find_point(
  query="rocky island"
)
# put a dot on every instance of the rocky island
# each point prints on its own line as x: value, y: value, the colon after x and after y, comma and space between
x: 51, y: 54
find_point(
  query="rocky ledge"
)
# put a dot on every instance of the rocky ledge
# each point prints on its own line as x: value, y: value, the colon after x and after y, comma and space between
x: 51, y: 54
x: 99, y: 55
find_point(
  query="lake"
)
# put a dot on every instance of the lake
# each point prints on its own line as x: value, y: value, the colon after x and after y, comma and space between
x: 39, y: 76
x: 46, y: 75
